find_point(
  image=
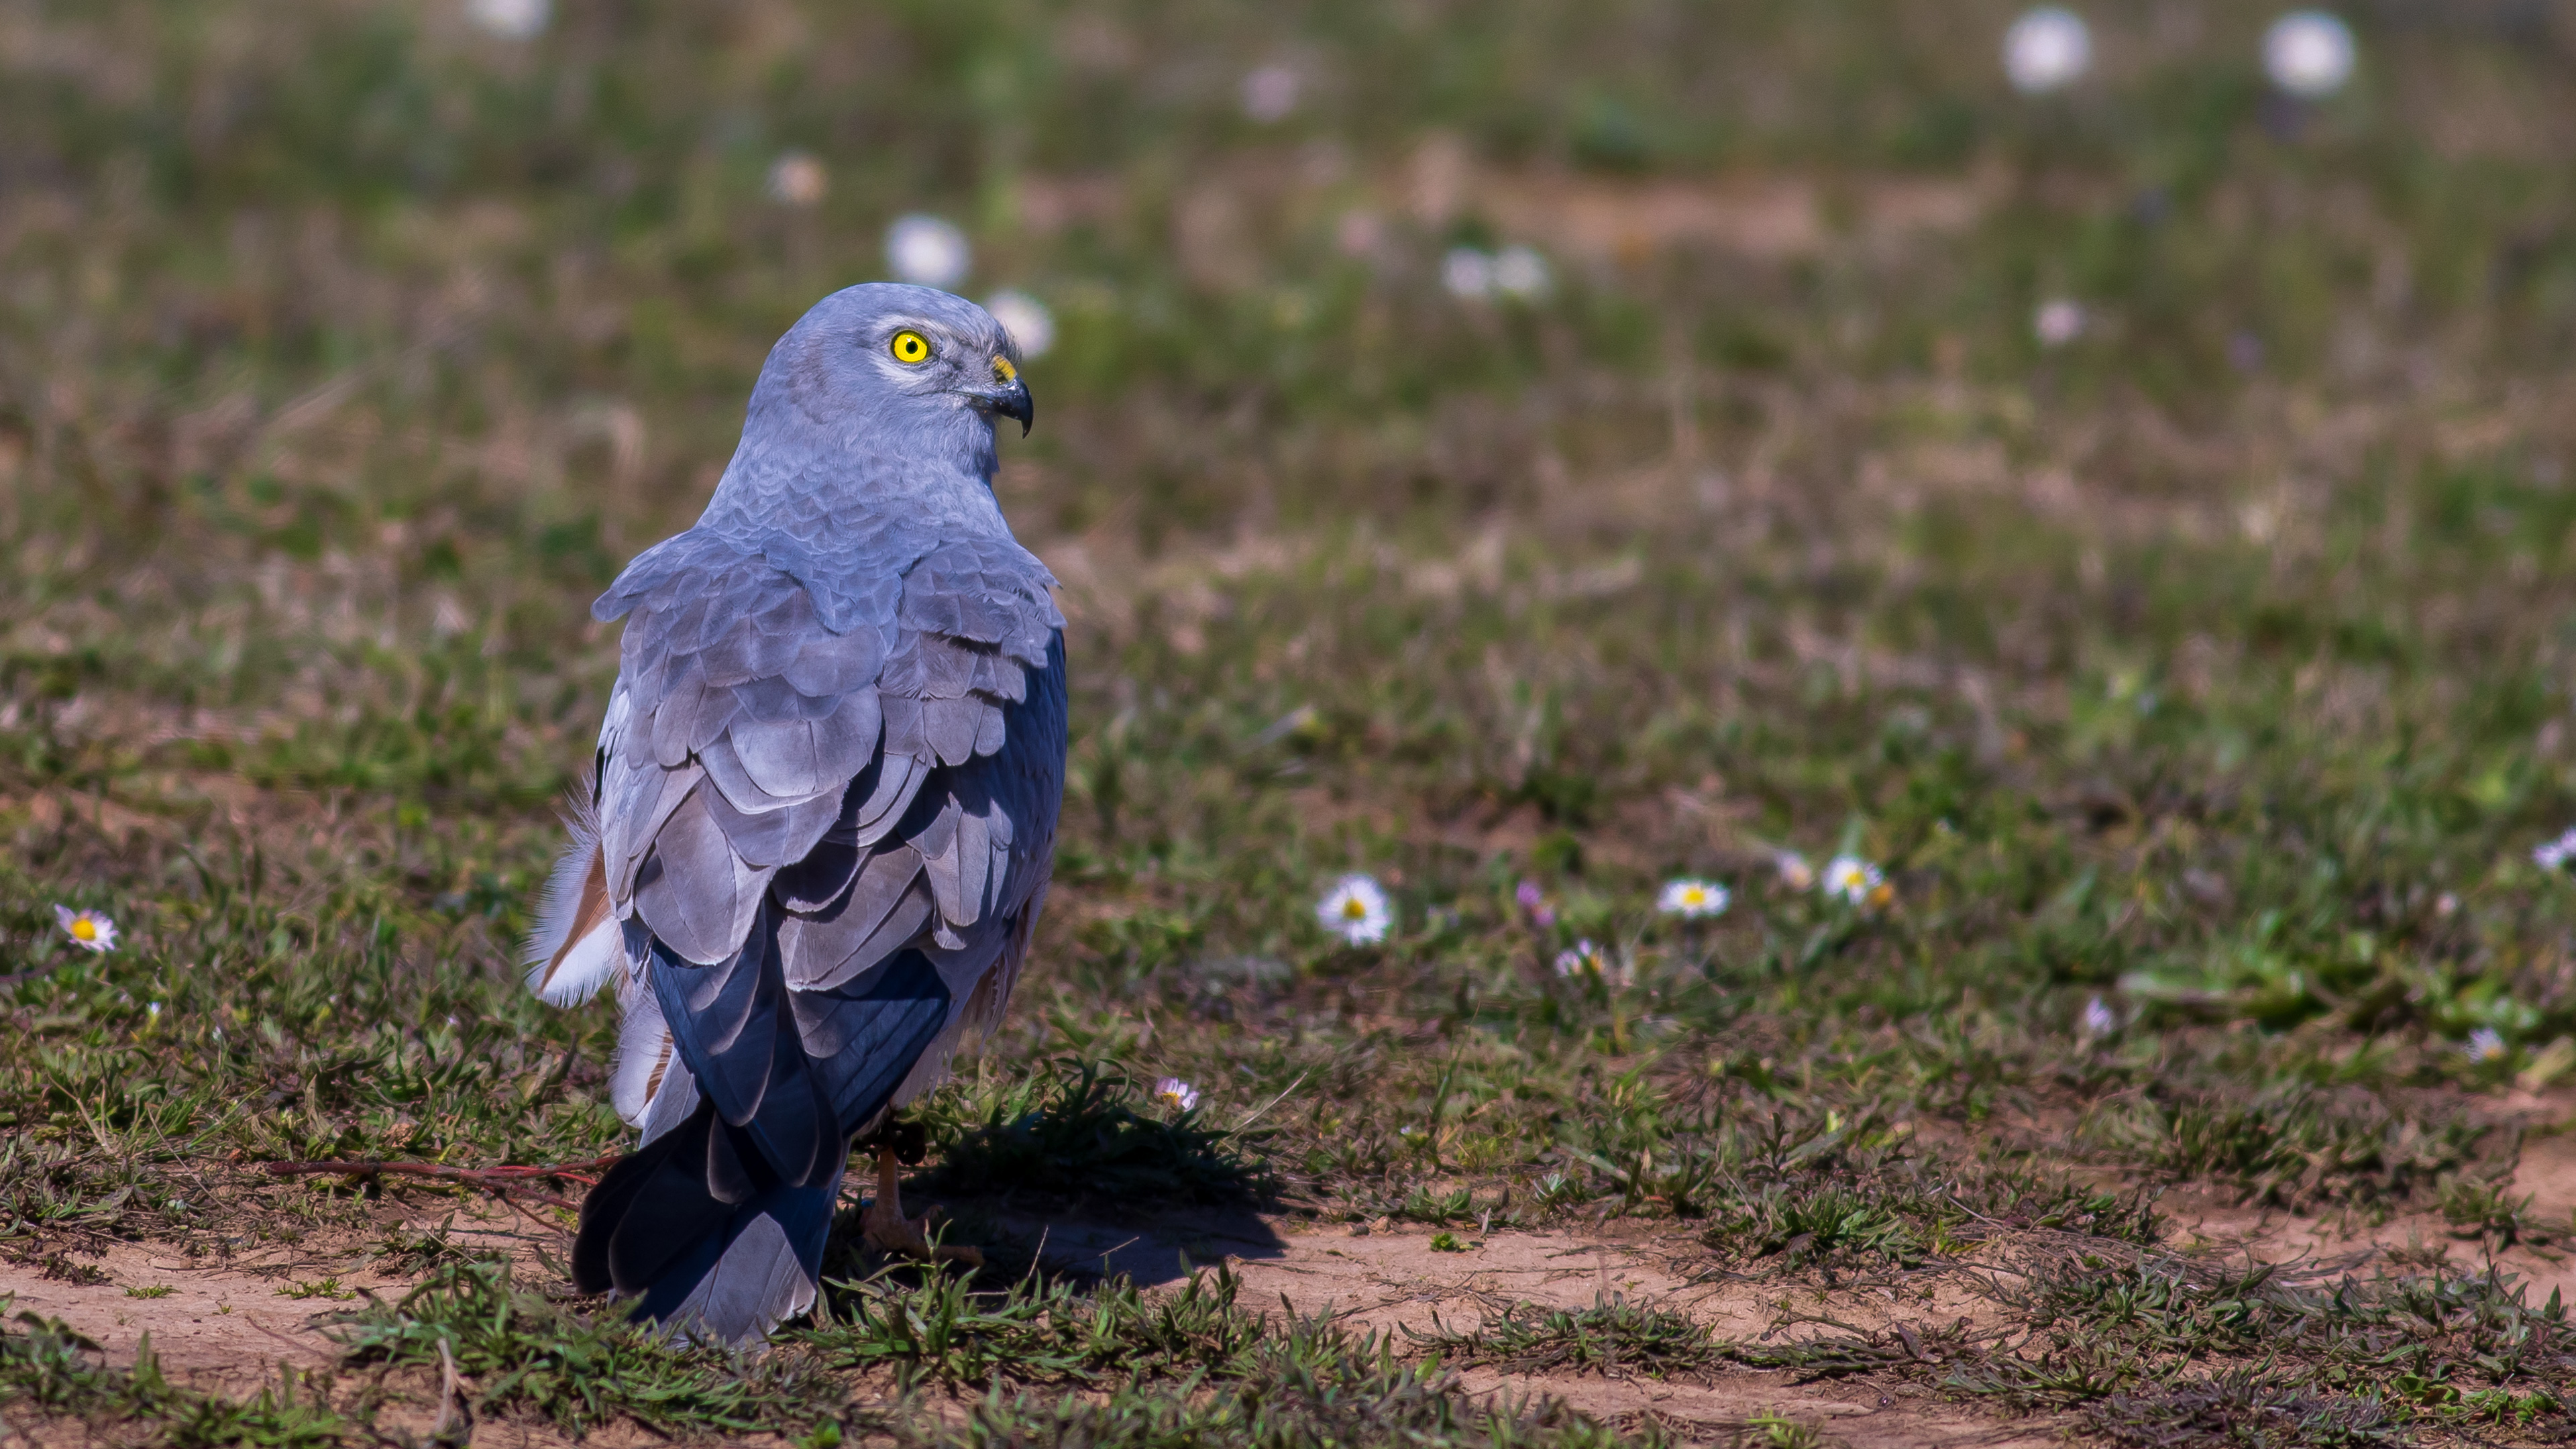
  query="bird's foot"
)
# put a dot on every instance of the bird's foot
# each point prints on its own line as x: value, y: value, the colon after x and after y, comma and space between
x: 884, y: 1227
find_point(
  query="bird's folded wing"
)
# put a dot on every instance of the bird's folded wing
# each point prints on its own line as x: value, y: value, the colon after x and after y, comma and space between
x: 799, y: 781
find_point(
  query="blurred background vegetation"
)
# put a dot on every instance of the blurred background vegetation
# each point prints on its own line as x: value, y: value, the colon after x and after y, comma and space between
x: 2210, y: 660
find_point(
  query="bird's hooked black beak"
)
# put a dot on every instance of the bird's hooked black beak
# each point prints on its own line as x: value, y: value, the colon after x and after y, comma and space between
x: 1008, y: 397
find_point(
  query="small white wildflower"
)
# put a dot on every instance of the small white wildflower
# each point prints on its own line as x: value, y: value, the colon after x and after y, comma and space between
x: 1520, y: 272
x: 1356, y: 910
x: 1693, y: 899
x: 2484, y: 1043
x: 1583, y: 960
x: 2047, y: 49
x: 1177, y: 1093
x: 152, y: 1012
x: 510, y: 19
x: 1853, y: 879
x: 1795, y: 873
x: 1027, y: 320
x: 927, y: 251
x: 1270, y: 93
x: 2058, y: 322
x: 89, y: 930
x: 2309, y: 53
x: 797, y: 178
x: 1467, y: 273
x: 2098, y: 1020
x: 2554, y: 854
x: 2446, y: 905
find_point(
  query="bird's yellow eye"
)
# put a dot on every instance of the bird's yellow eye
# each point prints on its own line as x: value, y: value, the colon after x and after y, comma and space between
x: 911, y: 347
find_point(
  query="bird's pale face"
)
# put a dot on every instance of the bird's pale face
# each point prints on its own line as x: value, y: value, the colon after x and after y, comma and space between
x: 921, y: 358
x: 909, y: 357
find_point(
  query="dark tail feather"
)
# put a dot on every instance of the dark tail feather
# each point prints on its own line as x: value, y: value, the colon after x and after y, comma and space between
x: 761, y: 1270
x: 648, y: 1211
x: 716, y: 1228
x: 653, y: 1231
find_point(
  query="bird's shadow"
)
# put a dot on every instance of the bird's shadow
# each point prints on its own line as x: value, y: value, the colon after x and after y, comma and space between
x: 1093, y: 1240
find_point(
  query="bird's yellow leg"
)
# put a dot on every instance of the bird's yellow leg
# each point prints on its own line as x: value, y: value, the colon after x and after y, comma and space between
x: 886, y: 1229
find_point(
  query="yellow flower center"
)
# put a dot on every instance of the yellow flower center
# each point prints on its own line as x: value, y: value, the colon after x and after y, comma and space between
x: 84, y: 929
x: 1354, y: 909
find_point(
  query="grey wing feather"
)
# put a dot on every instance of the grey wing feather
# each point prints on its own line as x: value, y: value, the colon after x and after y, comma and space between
x: 696, y: 890
x: 804, y: 779
x: 886, y: 905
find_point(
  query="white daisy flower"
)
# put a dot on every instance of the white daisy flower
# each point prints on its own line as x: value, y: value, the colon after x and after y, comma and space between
x: 2309, y: 53
x: 1027, y: 320
x: 2554, y: 854
x: 1356, y: 910
x: 1176, y: 1093
x: 2058, y: 322
x: 1795, y: 873
x: 2484, y: 1043
x: 1693, y: 899
x: 1519, y: 271
x: 1583, y: 960
x: 89, y: 930
x: 1270, y: 93
x: 510, y: 19
x: 2098, y: 1020
x: 2047, y: 49
x: 797, y: 178
x: 1853, y: 879
x: 927, y: 251
x: 1467, y: 273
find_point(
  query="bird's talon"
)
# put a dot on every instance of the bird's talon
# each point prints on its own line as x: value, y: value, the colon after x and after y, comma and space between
x: 886, y: 1228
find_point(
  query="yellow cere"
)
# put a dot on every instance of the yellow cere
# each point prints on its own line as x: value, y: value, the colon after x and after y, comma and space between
x: 1003, y: 372
x: 911, y: 347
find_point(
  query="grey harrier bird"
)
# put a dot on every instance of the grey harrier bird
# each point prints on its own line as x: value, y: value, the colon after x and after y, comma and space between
x: 823, y: 809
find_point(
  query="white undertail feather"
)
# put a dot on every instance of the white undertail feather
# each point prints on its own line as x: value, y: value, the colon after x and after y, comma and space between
x: 576, y: 945
x: 642, y: 1072
x: 675, y: 1099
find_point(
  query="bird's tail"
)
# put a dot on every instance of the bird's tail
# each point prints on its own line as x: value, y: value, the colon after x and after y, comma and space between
x: 708, y: 1268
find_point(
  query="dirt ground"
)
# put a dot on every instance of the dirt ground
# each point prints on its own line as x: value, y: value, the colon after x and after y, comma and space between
x: 236, y: 1323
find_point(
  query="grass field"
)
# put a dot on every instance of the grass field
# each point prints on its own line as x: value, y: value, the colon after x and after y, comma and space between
x: 2198, y: 686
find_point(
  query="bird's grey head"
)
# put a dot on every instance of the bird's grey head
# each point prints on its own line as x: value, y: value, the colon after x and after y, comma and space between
x: 880, y: 394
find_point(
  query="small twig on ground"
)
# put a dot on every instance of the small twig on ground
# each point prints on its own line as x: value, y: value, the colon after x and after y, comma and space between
x: 455, y: 1417
x: 503, y: 1180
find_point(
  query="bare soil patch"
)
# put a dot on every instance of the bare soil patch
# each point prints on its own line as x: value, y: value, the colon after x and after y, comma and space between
x: 233, y: 1321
